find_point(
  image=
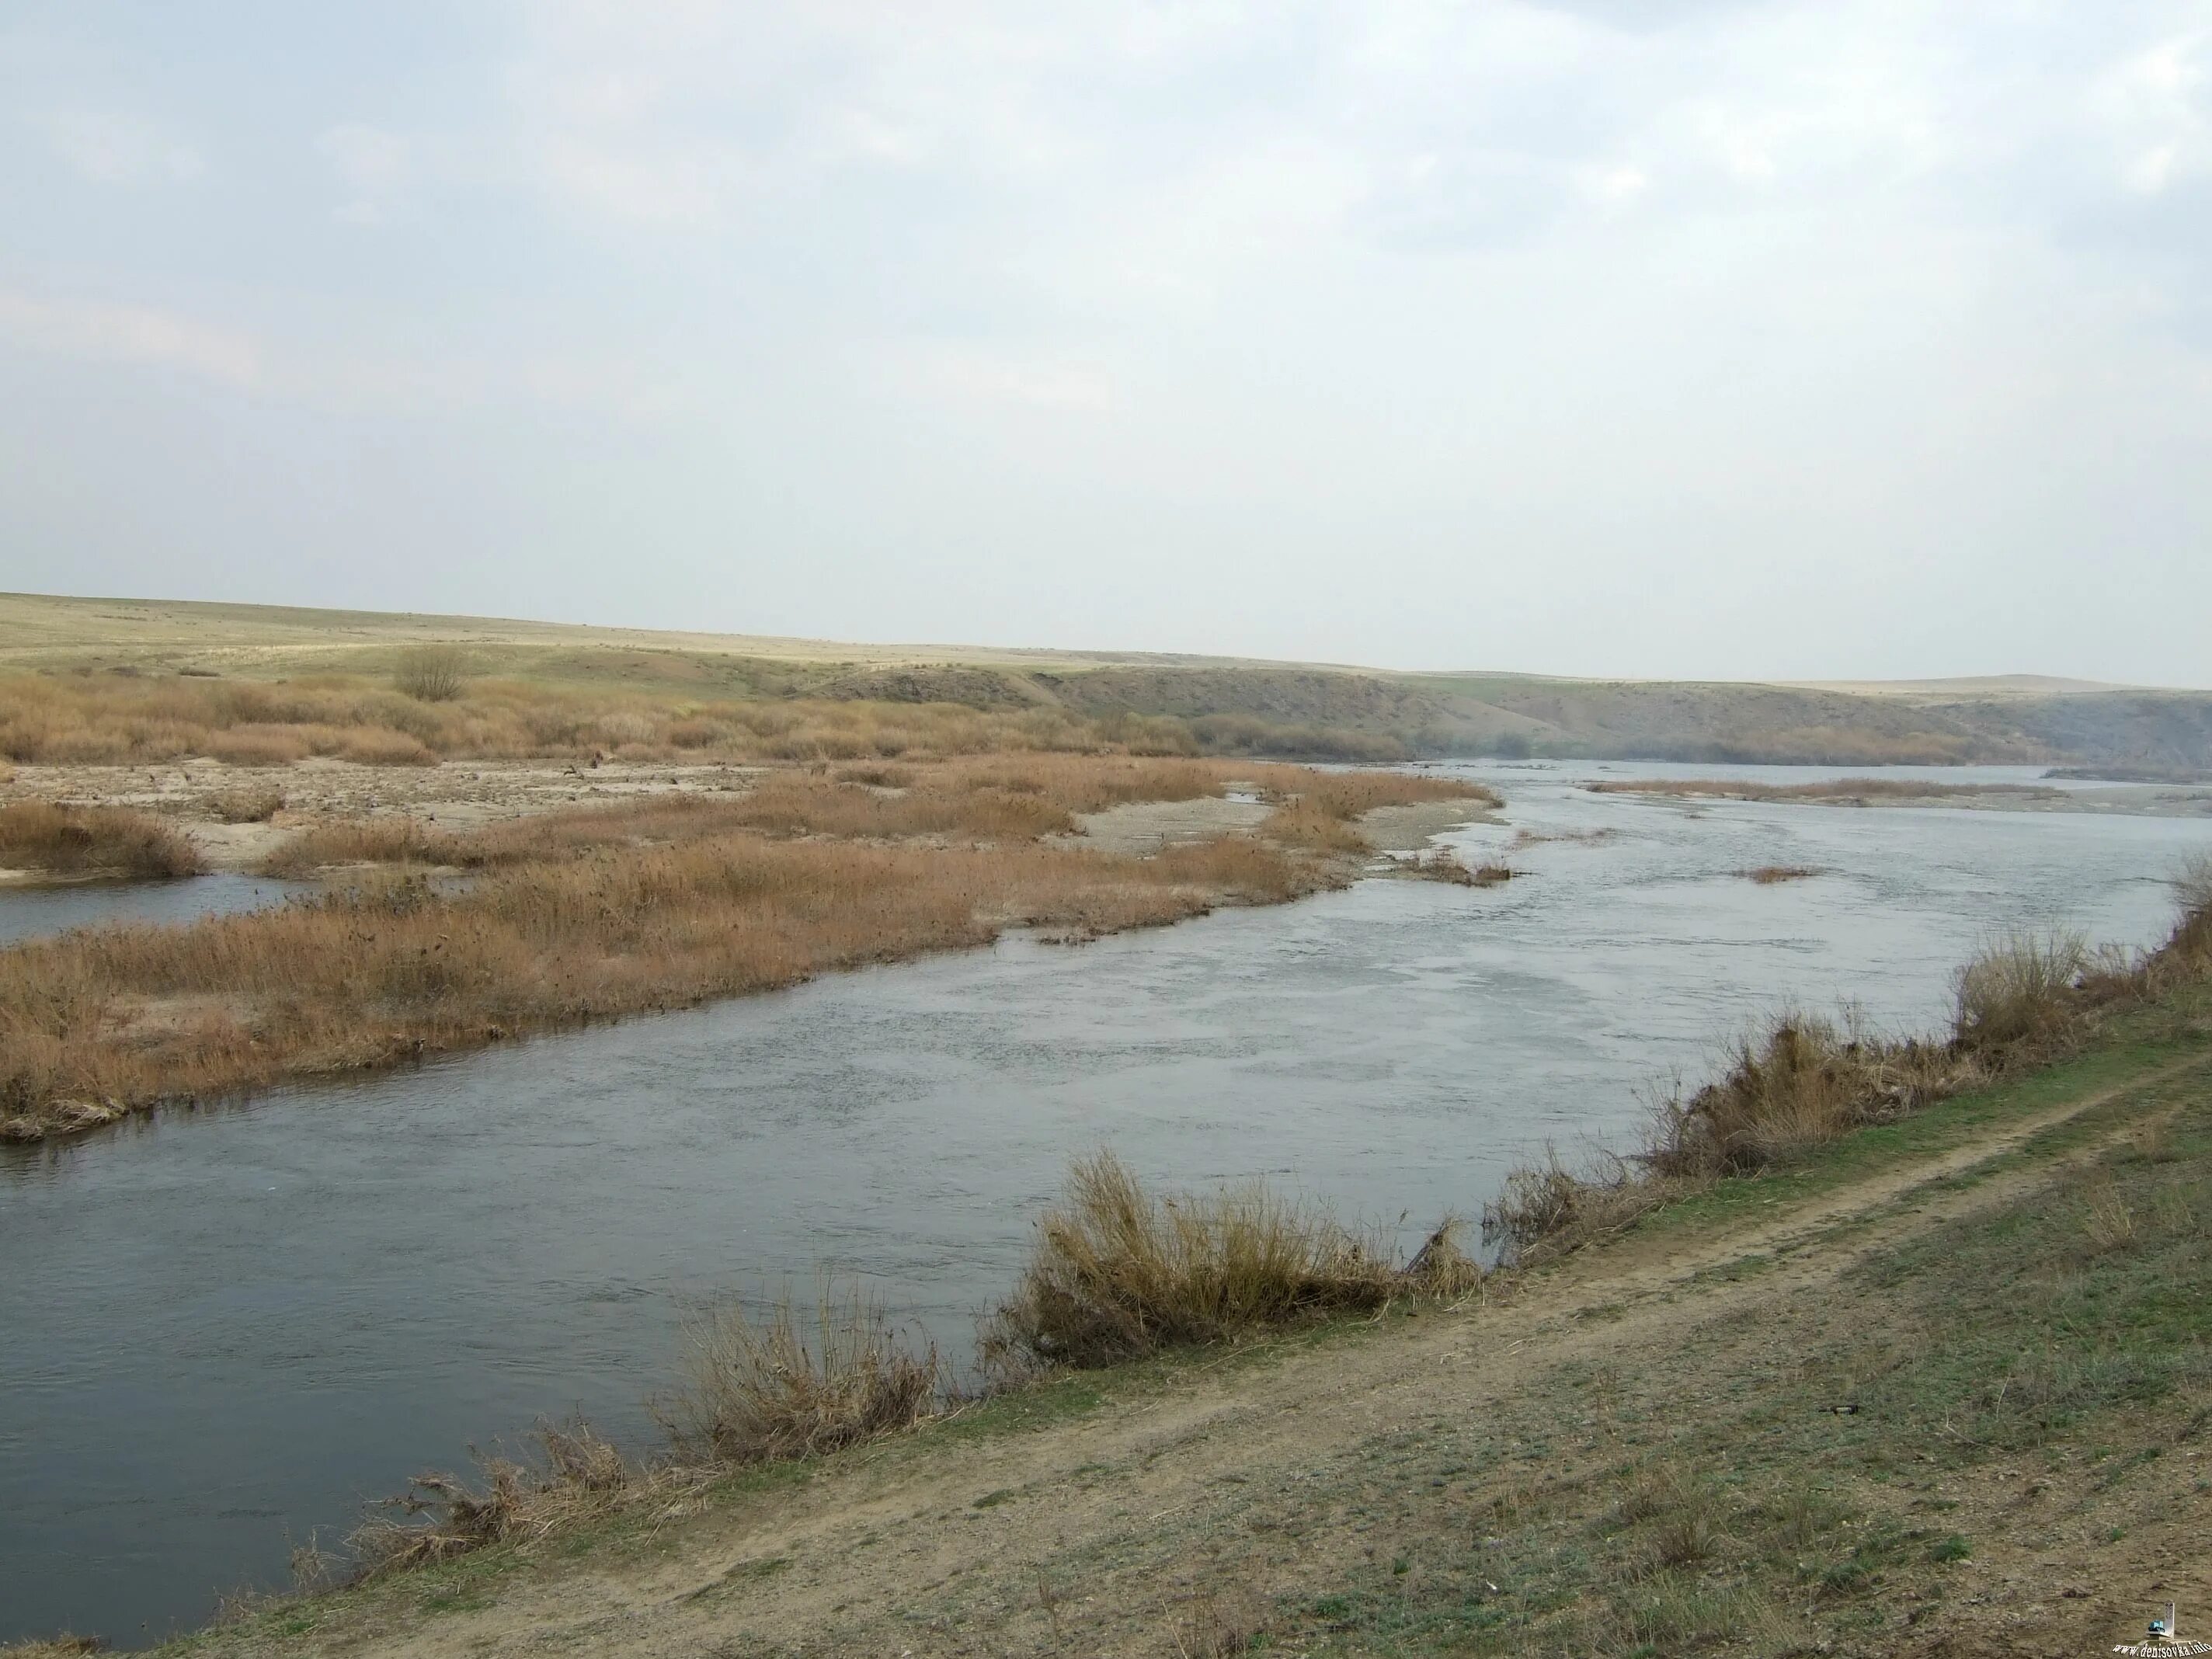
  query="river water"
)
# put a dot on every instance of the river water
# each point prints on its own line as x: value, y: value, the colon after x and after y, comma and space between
x: 221, y: 1331
x: 33, y: 912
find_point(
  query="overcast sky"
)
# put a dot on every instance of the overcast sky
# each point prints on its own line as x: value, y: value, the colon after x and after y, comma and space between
x: 1680, y: 338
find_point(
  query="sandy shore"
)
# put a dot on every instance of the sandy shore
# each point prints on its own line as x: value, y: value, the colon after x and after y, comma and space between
x: 458, y: 795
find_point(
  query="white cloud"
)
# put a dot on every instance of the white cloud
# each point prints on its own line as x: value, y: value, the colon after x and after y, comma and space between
x: 2156, y: 107
x: 372, y: 164
x: 111, y: 148
x: 131, y: 334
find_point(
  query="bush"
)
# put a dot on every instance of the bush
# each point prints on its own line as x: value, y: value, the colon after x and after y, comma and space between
x: 2020, y: 991
x: 757, y: 1390
x: 73, y: 840
x: 1116, y: 1273
x: 432, y: 673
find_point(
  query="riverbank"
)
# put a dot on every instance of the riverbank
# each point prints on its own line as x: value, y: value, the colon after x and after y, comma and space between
x: 658, y: 899
x: 1934, y: 1386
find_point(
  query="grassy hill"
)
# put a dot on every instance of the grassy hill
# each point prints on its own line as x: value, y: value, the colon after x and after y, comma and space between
x: 1219, y: 705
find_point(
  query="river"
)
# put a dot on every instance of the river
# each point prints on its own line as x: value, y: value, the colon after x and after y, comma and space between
x: 221, y: 1332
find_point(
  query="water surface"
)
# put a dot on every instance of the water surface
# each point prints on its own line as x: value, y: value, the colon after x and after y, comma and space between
x: 36, y: 910
x: 222, y: 1330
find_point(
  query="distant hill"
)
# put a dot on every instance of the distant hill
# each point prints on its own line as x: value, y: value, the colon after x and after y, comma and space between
x: 1224, y: 705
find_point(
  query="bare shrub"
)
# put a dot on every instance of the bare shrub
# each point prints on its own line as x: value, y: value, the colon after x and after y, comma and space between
x: 2020, y: 991
x: 1549, y: 1210
x: 1116, y: 1273
x: 1804, y: 1082
x: 1447, y: 867
x: 432, y: 673
x: 575, y: 1475
x: 780, y: 1386
x: 75, y: 841
x: 1220, y: 1622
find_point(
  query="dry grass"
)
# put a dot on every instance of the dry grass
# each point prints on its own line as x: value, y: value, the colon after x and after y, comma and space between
x: 1447, y: 867
x: 1860, y: 790
x: 2023, y: 990
x: 1771, y: 875
x: 1803, y: 1082
x: 112, y: 721
x: 1116, y: 1273
x: 784, y: 1385
x: 594, y: 913
x: 246, y: 805
x: 1549, y: 1210
x: 574, y: 1476
x: 82, y: 840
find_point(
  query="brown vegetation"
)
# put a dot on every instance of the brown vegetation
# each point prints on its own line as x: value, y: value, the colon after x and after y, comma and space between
x: 576, y: 1475
x: 756, y: 1390
x: 86, y: 841
x: 1771, y: 875
x: 1117, y: 1273
x: 249, y: 806
x: 593, y: 914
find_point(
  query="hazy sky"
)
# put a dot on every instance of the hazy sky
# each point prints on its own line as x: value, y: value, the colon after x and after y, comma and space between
x: 1637, y: 336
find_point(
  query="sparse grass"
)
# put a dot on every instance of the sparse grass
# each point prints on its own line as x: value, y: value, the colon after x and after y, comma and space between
x: 782, y: 1385
x: 82, y: 840
x: 1770, y: 875
x: 1117, y: 1273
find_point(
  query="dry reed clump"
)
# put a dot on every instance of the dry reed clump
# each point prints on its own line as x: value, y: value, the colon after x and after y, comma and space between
x: 78, y: 841
x: 1549, y: 1210
x: 1805, y: 1082
x: 576, y: 1475
x: 369, y: 841
x: 783, y: 1385
x: 64, y: 1646
x: 1771, y: 875
x: 2022, y: 991
x: 1117, y: 1273
x: 246, y: 805
x: 1447, y: 867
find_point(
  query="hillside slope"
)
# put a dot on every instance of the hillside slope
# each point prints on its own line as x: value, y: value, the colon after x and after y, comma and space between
x: 1216, y: 704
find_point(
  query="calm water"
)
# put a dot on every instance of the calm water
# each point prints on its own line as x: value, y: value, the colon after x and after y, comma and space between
x: 220, y: 1331
x: 31, y: 912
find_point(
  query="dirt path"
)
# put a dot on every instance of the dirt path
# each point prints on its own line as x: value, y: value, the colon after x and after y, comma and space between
x: 1161, y: 1523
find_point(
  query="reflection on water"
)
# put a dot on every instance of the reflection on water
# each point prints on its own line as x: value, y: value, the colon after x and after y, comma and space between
x: 225, y: 1329
x: 34, y: 912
